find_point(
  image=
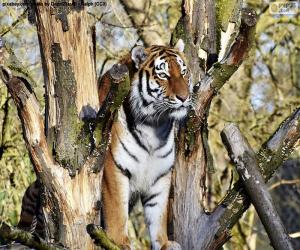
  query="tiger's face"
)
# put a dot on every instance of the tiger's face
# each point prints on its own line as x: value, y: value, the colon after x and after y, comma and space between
x: 161, y: 87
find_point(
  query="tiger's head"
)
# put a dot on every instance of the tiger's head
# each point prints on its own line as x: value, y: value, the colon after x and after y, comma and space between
x: 161, y: 87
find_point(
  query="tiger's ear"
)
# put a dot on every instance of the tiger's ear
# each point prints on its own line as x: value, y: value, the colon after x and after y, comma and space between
x: 138, y: 55
x: 179, y: 45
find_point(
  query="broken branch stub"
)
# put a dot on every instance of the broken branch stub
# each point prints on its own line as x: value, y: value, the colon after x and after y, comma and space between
x: 244, y: 158
x: 113, y: 87
x: 100, y: 237
x: 221, y: 71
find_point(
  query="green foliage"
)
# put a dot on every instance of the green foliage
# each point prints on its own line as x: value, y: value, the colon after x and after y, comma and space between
x: 20, y: 42
x: 16, y: 171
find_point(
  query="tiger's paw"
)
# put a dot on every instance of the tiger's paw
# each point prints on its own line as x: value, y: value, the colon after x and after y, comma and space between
x: 171, y: 245
x: 123, y: 242
x: 126, y: 247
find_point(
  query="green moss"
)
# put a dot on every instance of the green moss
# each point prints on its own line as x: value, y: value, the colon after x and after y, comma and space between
x: 226, y: 11
x: 72, y: 135
x: 122, y: 90
x: 221, y: 74
x: 180, y: 32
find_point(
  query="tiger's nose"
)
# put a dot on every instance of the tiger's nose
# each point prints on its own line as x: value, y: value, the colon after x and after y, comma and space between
x: 182, y: 98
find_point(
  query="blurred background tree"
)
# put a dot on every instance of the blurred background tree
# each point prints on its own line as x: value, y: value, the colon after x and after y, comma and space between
x: 264, y: 90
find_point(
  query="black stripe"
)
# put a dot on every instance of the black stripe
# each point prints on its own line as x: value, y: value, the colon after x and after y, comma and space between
x: 161, y: 53
x: 140, y: 87
x: 164, y: 57
x: 162, y: 175
x: 29, y: 210
x: 127, y: 151
x: 31, y: 194
x: 149, y: 90
x: 172, y: 53
x: 151, y: 60
x: 151, y: 204
x: 166, y: 154
x: 151, y: 64
x: 146, y: 199
x: 161, y: 146
x: 26, y: 202
x: 140, y: 81
x: 138, y: 141
x: 156, y: 48
x: 125, y: 172
x: 131, y: 124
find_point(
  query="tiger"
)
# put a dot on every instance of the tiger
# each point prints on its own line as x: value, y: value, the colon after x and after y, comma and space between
x: 31, y: 217
x: 141, y: 154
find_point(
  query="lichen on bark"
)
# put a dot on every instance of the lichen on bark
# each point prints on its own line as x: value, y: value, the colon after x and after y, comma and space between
x: 73, y: 138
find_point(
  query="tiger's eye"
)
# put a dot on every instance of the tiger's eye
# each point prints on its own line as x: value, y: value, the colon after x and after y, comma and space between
x: 163, y: 75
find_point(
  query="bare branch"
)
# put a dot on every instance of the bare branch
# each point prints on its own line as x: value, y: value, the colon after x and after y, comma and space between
x: 32, y: 121
x: 146, y: 40
x: 100, y: 237
x: 244, y: 158
x: 295, y: 235
x: 14, y: 24
x: 270, y: 157
x: 284, y: 182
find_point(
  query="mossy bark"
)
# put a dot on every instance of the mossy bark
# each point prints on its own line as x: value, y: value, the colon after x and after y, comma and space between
x: 68, y: 59
x: 188, y: 201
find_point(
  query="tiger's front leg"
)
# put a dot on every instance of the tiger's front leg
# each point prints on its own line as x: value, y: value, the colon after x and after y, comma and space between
x: 155, y: 203
x: 115, y: 191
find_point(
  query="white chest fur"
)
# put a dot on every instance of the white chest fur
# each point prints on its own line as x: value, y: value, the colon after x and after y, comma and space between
x: 144, y: 154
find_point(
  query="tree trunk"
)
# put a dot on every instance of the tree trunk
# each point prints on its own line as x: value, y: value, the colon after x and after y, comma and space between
x: 197, y: 27
x: 68, y: 58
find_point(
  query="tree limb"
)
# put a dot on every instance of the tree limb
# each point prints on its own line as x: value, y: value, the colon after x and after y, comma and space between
x: 244, y: 158
x: 100, y: 237
x: 14, y: 24
x: 191, y: 154
x: 220, y: 72
x: 25, y: 238
x: 270, y: 157
x: 142, y: 33
x: 113, y: 87
x: 32, y: 122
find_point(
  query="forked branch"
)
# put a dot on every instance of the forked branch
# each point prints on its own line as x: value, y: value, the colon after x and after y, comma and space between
x: 246, y: 164
x: 270, y: 157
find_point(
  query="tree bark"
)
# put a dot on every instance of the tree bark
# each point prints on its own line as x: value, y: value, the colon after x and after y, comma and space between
x: 244, y: 158
x: 63, y: 150
x: 187, y: 201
